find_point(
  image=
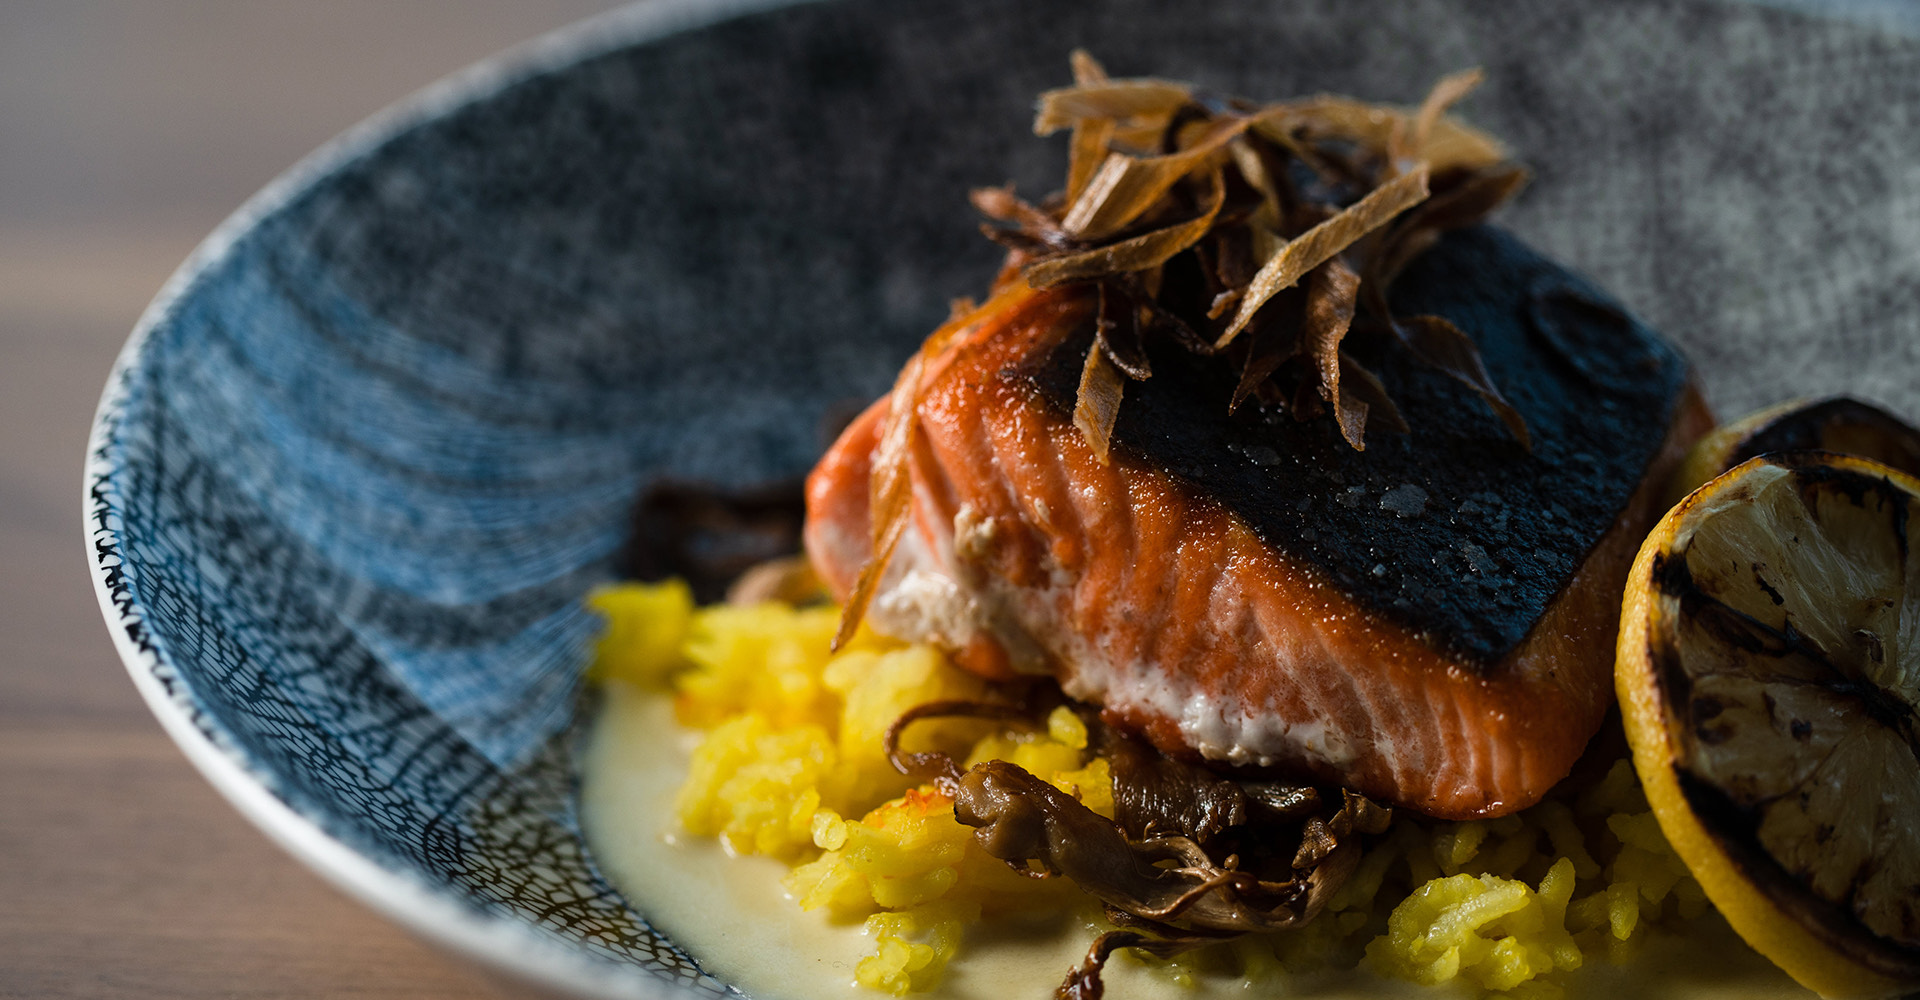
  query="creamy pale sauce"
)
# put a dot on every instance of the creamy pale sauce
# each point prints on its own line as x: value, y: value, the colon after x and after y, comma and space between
x: 732, y: 916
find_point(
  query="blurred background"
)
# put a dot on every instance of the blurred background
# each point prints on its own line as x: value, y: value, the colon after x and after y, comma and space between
x: 128, y: 130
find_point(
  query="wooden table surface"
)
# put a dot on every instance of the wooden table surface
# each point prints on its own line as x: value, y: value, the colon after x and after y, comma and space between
x: 128, y: 129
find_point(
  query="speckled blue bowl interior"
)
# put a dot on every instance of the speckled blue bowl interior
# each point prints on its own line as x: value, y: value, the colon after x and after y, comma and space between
x: 356, y: 473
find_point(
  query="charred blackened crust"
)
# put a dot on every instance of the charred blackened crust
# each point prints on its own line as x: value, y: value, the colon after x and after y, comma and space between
x: 1453, y: 530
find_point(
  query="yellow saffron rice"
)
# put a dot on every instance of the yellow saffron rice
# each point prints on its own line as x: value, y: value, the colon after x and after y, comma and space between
x: 791, y: 766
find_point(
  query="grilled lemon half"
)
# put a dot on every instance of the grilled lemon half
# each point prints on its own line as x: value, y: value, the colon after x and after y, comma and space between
x: 1832, y: 423
x: 1768, y: 673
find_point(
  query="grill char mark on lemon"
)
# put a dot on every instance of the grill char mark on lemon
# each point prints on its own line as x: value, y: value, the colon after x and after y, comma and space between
x: 1784, y: 681
x: 1840, y: 424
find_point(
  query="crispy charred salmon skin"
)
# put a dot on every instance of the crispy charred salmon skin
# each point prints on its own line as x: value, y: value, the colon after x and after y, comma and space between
x: 1429, y: 622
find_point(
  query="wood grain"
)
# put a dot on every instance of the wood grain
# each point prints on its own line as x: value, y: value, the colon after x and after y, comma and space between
x: 128, y: 875
x: 132, y: 127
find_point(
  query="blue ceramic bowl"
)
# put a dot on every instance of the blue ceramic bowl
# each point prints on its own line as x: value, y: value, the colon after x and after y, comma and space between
x: 360, y: 460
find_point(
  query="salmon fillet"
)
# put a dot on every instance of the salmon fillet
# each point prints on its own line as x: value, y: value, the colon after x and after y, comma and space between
x: 1143, y: 593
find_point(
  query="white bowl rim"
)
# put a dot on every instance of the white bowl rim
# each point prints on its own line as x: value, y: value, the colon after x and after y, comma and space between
x: 504, y: 946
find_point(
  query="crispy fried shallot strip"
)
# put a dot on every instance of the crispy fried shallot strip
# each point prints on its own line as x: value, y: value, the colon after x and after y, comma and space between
x: 1451, y: 143
x: 1125, y: 187
x: 1333, y: 290
x: 1136, y: 254
x: 1315, y: 246
x: 1091, y: 136
x: 1117, y: 100
x: 1436, y: 341
x: 1466, y: 201
x: 890, y: 490
x: 1410, y: 138
x: 1098, y: 405
x: 890, y: 494
x: 1327, y: 192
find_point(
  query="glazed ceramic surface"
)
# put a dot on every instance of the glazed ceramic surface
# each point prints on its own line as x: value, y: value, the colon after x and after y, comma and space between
x: 359, y: 463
